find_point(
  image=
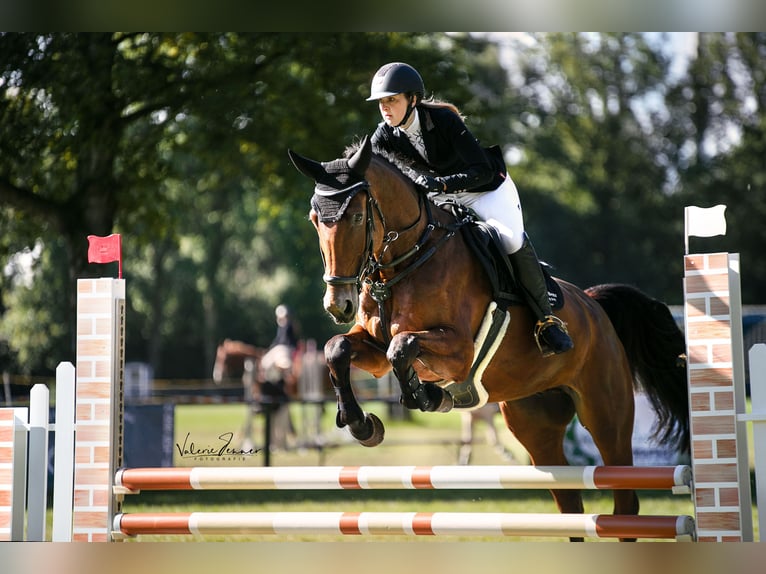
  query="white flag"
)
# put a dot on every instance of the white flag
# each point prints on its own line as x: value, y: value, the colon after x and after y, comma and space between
x: 705, y: 222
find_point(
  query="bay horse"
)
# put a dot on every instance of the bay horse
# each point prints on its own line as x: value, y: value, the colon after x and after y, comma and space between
x: 396, y: 267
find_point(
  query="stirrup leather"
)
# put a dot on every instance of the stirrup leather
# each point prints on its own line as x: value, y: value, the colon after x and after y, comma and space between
x: 543, y: 324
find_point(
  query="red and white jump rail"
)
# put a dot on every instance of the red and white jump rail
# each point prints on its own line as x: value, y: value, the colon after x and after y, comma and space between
x: 406, y: 523
x: 675, y: 478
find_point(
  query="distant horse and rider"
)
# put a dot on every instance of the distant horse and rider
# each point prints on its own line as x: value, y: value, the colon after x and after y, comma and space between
x: 269, y: 376
x: 263, y: 375
x: 413, y: 281
x: 289, y: 369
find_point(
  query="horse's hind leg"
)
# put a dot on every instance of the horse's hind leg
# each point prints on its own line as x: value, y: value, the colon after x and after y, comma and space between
x: 539, y: 423
x: 610, y: 423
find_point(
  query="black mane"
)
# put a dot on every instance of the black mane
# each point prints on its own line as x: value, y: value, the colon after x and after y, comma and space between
x: 407, y: 166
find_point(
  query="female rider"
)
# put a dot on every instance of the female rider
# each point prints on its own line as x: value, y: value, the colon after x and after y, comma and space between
x: 433, y: 132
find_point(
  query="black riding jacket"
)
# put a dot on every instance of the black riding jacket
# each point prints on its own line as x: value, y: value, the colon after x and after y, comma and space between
x: 285, y: 336
x: 452, y: 152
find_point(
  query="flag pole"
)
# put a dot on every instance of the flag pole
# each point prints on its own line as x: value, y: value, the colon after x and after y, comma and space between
x: 686, y: 231
x: 119, y: 255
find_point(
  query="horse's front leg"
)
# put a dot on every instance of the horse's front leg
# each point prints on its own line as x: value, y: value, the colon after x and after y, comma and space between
x: 404, y: 349
x: 366, y: 428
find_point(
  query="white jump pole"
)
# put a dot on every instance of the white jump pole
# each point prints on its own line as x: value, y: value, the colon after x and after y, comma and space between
x: 757, y: 357
x: 38, y: 463
x: 63, y: 476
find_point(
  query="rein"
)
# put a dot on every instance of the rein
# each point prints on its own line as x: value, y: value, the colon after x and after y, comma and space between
x: 381, y: 290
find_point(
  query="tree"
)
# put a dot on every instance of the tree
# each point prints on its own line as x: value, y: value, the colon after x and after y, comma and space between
x: 724, y: 133
x: 178, y: 141
x: 591, y: 177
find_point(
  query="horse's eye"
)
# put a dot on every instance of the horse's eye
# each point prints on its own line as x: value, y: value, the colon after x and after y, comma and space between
x: 357, y: 219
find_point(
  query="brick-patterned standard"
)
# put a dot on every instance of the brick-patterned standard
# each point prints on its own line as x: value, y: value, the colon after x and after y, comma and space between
x: 100, y: 360
x: 6, y: 471
x: 708, y: 325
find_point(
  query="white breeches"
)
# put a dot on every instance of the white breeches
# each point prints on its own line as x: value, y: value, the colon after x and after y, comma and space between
x: 500, y: 208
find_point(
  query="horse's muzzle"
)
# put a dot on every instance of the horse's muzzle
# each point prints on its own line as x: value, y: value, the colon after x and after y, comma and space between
x: 341, y: 302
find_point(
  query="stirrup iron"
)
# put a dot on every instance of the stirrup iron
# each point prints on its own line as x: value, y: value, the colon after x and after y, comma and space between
x: 541, y: 325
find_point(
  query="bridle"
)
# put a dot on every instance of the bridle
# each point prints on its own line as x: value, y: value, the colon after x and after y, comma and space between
x: 369, y: 270
x: 342, y: 280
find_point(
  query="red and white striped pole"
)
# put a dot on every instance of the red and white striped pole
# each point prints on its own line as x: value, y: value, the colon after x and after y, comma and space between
x: 675, y: 478
x: 408, y: 524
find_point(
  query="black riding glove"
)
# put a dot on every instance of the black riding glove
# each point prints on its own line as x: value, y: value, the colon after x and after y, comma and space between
x: 430, y: 184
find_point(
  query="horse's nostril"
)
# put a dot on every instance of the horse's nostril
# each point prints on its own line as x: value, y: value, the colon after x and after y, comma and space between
x: 341, y: 303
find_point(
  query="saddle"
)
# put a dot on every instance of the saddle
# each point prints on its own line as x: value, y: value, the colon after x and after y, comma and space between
x: 487, y: 247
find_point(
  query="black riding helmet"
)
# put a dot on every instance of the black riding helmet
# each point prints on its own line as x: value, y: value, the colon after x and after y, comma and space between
x: 397, y: 78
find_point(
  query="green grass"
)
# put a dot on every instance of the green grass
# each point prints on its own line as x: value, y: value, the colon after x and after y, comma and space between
x: 425, y: 439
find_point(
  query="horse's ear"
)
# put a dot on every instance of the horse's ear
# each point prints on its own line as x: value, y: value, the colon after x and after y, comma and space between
x: 361, y: 159
x: 308, y: 167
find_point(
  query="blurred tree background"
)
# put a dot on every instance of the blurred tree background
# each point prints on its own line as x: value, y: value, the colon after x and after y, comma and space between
x: 178, y: 142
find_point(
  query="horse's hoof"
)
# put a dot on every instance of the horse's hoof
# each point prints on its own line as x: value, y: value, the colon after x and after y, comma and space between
x: 408, y: 402
x: 433, y: 398
x: 446, y: 403
x: 377, y: 431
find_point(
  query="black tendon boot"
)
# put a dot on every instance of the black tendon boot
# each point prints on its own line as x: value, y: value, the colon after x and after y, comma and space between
x: 550, y: 332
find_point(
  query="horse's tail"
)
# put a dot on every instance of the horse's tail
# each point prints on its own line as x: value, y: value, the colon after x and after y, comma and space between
x: 656, y: 349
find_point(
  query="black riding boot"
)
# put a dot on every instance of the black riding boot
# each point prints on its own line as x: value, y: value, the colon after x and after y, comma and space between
x: 551, y: 333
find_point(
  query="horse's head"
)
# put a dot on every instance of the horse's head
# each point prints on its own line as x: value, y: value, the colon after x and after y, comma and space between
x: 230, y: 357
x: 362, y: 209
x: 339, y: 214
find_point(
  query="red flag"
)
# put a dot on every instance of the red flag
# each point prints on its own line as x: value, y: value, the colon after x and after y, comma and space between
x: 105, y: 249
